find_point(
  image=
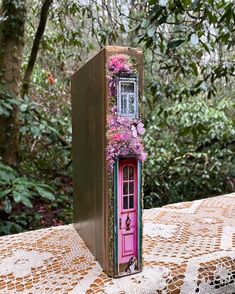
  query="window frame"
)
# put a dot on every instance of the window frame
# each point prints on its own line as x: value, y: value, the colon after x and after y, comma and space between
x: 128, y: 181
x: 133, y: 79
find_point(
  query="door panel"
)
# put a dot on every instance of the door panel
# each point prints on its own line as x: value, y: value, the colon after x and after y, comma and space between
x: 128, y: 244
x: 127, y: 210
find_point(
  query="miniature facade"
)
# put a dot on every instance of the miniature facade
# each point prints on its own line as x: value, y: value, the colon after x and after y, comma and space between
x: 107, y: 157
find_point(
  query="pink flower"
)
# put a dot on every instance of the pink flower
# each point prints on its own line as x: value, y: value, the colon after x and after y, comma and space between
x: 126, y: 137
x: 114, y: 109
x: 144, y: 156
x: 119, y: 64
x: 123, y: 133
x: 117, y: 137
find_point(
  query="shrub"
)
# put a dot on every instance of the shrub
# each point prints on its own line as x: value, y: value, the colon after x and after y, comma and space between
x: 17, y: 193
x: 191, y: 150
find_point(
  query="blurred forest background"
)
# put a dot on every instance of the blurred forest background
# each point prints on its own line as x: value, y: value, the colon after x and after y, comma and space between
x: 189, y: 103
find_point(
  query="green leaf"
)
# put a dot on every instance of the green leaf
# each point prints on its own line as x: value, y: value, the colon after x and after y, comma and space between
x: 205, y: 47
x: 7, y: 205
x: 185, y: 131
x: 4, y: 193
x: 6, y: 176
x: 162, y: 20
x: 175, y: 43
x: 145, y: 23
x: 195, y: 4
x: 23, y: 107
x: 194, y: 67
x: 7, y: 105
x: 27, y: 202
x: 4, y: 112
x: 228, y: 14
x: 16, y: 196
x: 45, y: 194
x: 151, y: 31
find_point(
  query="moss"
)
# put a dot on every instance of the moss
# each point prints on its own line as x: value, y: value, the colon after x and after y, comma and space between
x: 111, y: 224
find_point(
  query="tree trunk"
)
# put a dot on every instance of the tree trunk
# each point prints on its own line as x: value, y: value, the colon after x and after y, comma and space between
x: 12, y: 43
x: 131, y: 34
x: 35, y: 48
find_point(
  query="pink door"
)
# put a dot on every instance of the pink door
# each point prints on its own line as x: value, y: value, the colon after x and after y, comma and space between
x: 127, y: 210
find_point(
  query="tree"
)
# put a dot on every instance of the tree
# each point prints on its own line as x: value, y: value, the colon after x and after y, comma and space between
x: 36, y: 44
x: 12, y: 30
x: 192, y: 45
x: 189, y: 51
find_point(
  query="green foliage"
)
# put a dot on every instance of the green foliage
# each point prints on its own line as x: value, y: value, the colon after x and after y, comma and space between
x: 7, y: 102
x: 190, y: 41
x: 189, y: 75
x: 46, y: 136
x: 191, y: 151
x: 18, y: 191
x: 46, y: 133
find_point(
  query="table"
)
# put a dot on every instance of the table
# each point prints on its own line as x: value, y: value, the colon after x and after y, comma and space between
x: 189, y: 247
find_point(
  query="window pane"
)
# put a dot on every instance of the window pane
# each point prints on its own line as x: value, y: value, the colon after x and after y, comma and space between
x: 127, y: 87
x: 131, y: 201
x: 125, y: 173
x: 131, y: 187
x: 131, y: 103
x: 125, y: 188
x: 131, y: 173
x: 127, y: 98
x: 123, y: 103
x: 125, y: 202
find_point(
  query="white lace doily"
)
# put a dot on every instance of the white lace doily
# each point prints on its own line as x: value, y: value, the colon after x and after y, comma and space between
x: 187, y: 248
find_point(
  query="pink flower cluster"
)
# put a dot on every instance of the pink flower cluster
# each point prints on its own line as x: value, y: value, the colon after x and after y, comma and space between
x: 118, y: 65
x: 122, y: 138
x: 123, y: 133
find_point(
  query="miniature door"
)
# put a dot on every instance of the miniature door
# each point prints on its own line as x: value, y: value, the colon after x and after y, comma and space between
x: 124, y: 131
x: 127, y: 215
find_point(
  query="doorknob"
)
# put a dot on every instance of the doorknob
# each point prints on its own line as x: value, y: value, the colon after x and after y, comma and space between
x: 120, y: 223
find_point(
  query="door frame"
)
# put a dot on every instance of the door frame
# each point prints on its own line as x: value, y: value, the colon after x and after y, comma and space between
x: 138, y: 211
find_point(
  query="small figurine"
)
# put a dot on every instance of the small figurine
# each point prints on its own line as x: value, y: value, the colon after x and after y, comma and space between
x: 132, y: 265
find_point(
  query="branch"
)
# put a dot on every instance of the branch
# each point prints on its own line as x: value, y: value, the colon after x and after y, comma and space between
x: 35, y: 47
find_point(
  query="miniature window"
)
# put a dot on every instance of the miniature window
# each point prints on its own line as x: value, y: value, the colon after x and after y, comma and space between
x: 128, y: 187
x: 127, y: 97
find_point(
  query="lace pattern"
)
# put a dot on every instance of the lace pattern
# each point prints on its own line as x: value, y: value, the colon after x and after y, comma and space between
x: 188, y: 248
x: 22, y: 261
